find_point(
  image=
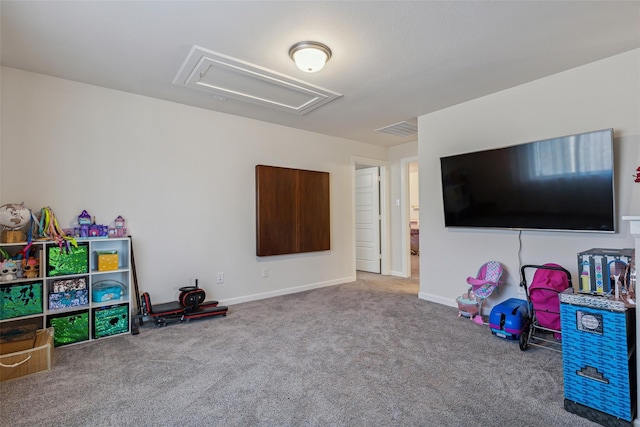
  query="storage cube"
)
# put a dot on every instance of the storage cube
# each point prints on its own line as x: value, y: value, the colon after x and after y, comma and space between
x: 70, y: 327
x: 63, y: 260
x: 65, y: 293
x: 110, y: 320
x: 26, y: 357
x: 107, y: 260
x: 20, y: 299
x: 72, y: 298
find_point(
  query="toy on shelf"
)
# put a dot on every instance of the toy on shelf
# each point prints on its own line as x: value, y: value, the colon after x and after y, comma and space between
x: 84, y: 221
x: 119, y: 229
x: 31, y: 267
x: 9, y: 270
x: 87, y: 227
x: 49, y: 229
x: 13, y: 218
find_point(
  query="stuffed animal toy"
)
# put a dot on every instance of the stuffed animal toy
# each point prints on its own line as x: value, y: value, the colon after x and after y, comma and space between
x: 31, y: 268
x: 8, y: 270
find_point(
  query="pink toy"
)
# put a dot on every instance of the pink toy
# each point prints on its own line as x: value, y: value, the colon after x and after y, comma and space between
x: 544, y: 296
x: 483, y: 285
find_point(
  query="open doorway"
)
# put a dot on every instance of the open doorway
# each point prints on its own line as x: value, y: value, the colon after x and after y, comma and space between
x: 409, y: 224
x: 378, y: 254
x: 414, y: 218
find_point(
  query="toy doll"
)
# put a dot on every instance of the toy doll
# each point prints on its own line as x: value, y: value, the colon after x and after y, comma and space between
x: 8, y: 270
x: 31, y: 268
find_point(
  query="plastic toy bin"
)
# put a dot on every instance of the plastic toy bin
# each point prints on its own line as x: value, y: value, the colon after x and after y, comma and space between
x: 107, y: 290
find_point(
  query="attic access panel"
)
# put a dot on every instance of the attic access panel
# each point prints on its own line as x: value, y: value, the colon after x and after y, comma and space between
x: 224, y: 76
x: 292, y: 211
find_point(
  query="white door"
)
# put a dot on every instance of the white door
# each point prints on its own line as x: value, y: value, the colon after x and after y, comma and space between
x: 368, y: 220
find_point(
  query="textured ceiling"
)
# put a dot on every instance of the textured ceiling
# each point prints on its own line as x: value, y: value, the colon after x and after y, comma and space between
x: 392, y: 61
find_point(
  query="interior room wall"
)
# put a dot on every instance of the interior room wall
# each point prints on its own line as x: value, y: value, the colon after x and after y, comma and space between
x: 603, y: 94
x: 1, y: 132
x: 414, y: 194
x: 182, y: 177
x: 398, y: 158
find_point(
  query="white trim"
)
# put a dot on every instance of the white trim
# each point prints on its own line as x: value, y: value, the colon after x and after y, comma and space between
x: 437, y: 299
x: 280, y: 292
x: 385, y: 246
x: 405, y: 241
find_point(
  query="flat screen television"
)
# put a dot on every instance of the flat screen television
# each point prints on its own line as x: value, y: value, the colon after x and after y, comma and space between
x: 560, y: 184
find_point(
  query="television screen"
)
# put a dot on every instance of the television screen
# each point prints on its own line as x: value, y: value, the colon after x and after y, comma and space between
x: 563, y: 184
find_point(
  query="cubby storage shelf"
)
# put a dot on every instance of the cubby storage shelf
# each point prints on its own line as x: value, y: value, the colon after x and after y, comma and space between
x: 70, y: 292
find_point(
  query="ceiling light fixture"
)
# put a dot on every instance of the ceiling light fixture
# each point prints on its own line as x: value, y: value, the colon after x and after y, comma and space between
x: 310, y: 56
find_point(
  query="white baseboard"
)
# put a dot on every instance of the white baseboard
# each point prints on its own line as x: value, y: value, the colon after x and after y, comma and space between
x: 438, y: 299
x: 398, y: 274
x: 287, y: 291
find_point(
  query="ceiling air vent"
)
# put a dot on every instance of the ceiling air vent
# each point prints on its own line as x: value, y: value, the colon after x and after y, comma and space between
x: 224, y: 76
x: 401, y: 129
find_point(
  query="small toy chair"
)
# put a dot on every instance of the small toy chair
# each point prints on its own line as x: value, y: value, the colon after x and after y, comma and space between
x: 483, y: 285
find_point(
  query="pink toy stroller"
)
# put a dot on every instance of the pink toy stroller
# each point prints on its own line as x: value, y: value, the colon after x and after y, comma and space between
x: 543, y: 298
x: 482, y: 286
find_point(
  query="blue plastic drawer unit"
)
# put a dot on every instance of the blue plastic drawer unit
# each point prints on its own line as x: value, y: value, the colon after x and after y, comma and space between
x: 509, y: 319
x: 598, y: 352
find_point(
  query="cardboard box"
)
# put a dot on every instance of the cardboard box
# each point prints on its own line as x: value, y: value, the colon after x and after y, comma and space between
x: 26, y: 357
x: 107, y: 260
x: 594, y: 268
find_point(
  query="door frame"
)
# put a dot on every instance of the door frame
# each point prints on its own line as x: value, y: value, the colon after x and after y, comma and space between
x: 385, y: 228
x: 405, y: 240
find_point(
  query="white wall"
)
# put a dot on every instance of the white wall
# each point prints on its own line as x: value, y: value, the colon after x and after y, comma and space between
x: 182, y: 177
x: 604, y: 94
x: 414, y: 195
x: 399, y: 156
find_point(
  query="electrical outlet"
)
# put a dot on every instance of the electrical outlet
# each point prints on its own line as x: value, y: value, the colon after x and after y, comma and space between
x: 265, y: 272
x: 220, y: 278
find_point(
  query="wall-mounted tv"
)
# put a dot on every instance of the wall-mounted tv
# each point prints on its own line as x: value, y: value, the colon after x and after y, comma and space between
x: 561, y: 184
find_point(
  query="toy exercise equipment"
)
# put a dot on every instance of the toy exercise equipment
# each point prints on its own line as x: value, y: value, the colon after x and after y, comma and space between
x: 191, y: 304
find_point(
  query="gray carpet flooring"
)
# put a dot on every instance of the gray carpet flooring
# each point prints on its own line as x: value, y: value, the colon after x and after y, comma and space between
x: 366, y: 353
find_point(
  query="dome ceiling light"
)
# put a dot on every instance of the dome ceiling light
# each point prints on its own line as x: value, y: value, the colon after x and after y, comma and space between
x: 310, y: 56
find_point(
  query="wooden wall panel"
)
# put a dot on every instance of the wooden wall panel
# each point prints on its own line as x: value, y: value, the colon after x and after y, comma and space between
x: 276, y: 201
x: 313, y: 211
x: 292, y: 211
